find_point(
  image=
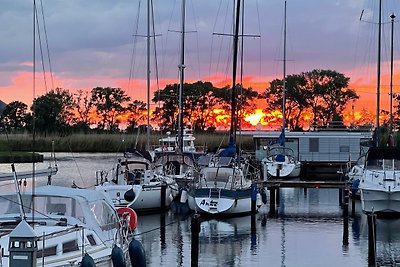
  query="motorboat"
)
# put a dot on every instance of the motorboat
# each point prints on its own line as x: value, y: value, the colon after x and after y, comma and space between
x: 65, y: 224
x: 380, y: 183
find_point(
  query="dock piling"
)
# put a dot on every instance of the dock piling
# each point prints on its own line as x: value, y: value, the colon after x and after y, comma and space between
x: 195, y: 229
x: 371, y: 239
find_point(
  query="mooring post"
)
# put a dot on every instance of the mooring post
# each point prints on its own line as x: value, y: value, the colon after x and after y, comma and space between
x: 372, y: 239
x: 346, y: 203
x: 162, y: 230
x: 272, y: 198
x: 278, y: 196
x: 163, y: 195
x: 195, y: 229
x: 346, y: 218
x: 253, y: 198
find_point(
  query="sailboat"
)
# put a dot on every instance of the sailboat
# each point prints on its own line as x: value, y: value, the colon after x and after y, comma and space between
x: 224, y: 185
x: 58, y: 226
x: 280, y: 161
x: 380, y: 182
x: 175, y: 159
x: 134, y: 182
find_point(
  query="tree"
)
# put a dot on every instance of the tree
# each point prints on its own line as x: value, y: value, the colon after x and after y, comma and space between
x: 296, y: 97
x: 15, y: 116
x: 136, y: 114
x: 53, y: 111
x: 110, y: 104
x: 84, y: 111
x: 322, y: 93
x: 330, y: 94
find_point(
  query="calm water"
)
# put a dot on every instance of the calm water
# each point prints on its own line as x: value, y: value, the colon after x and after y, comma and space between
x: 308, y: 230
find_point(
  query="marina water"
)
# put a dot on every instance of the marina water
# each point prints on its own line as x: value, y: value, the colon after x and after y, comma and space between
x: 308, y: 230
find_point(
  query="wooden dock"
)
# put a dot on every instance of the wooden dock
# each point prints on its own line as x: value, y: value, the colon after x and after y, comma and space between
x: 280, y: 183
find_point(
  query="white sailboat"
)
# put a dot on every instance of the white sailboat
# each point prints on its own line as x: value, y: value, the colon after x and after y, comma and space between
x: 134, y: 182
x: 224, y: 183
x: 380, y: 183
x: 176, y: 157
x: 280, y: 161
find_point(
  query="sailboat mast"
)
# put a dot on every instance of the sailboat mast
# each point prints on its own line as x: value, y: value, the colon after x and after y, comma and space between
x: 393, y: 16
x: 181, y: 78
x: 149, y: 2
x: 284, y: 75
x: 378, y: 80
x: 235, y: 52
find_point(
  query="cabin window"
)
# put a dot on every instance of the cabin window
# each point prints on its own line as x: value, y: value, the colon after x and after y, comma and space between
x: 70, y: 246
x: 91, y: 239
x: 51, y: 251
x: 344, y: 149
x: 314, y: 145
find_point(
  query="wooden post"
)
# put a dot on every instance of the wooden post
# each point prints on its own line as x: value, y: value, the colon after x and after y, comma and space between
x: 253, y: 198
x: 272, y: 206
x: 278, y: 196
x: 163, y: 195
x: 340, y: 197
x: 162, y: 230
x: 371, y: 239
x: 346, y: 218
x: 195, y: 229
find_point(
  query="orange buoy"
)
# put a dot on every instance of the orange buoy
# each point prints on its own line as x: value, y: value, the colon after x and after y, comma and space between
x: 130, y: 215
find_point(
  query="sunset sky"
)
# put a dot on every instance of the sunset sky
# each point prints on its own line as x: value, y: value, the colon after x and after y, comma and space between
x: 93, y: 42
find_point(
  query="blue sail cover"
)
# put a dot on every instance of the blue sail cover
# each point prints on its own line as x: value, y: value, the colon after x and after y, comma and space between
x: 280, y: 140
x: 229, y: 151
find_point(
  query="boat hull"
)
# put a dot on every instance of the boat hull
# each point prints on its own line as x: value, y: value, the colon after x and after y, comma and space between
x: 379, y: 201
x: 146, y: 199
x: 270, y: 169
x: 214, y: 202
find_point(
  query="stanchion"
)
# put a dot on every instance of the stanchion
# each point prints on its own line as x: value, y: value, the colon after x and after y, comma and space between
x: 162, y: 230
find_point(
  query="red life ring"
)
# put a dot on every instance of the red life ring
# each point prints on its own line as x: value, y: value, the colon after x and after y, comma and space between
x: 123, y: 212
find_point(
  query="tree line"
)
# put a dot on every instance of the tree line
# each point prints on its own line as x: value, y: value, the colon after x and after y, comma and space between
x: 322, y: 94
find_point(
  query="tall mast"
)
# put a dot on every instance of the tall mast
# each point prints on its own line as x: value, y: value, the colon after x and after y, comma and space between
x: 393, y: 16
x: 181, y: 78
x: 148, y: 75
x: 235, y: 49
x: 284, y: 75
x: 378, y: 80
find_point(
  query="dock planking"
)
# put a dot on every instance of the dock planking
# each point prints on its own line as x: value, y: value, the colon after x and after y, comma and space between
x: 279, y: 183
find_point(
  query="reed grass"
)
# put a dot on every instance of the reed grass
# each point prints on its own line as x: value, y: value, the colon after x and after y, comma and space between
x: 107, y: 142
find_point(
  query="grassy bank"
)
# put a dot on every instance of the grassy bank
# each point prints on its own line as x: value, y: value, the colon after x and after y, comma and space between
x: 104, y: 142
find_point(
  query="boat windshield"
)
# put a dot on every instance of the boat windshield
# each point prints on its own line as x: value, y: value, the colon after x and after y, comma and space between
x: 383, y: 164
x: 44, y: 205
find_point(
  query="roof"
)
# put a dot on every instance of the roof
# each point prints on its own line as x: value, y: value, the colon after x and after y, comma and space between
x: 383, y: 153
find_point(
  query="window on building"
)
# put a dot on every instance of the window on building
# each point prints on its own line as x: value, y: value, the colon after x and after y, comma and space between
x: 314, y: 145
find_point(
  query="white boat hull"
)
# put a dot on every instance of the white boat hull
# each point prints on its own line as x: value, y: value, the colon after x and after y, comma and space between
x: 271, y: 169
x: 222, y: 205
x: 379, y: 201
x: 145, y: 199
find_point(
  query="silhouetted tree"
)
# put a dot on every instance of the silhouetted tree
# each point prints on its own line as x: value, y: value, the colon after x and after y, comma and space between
x: 15, y: 116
